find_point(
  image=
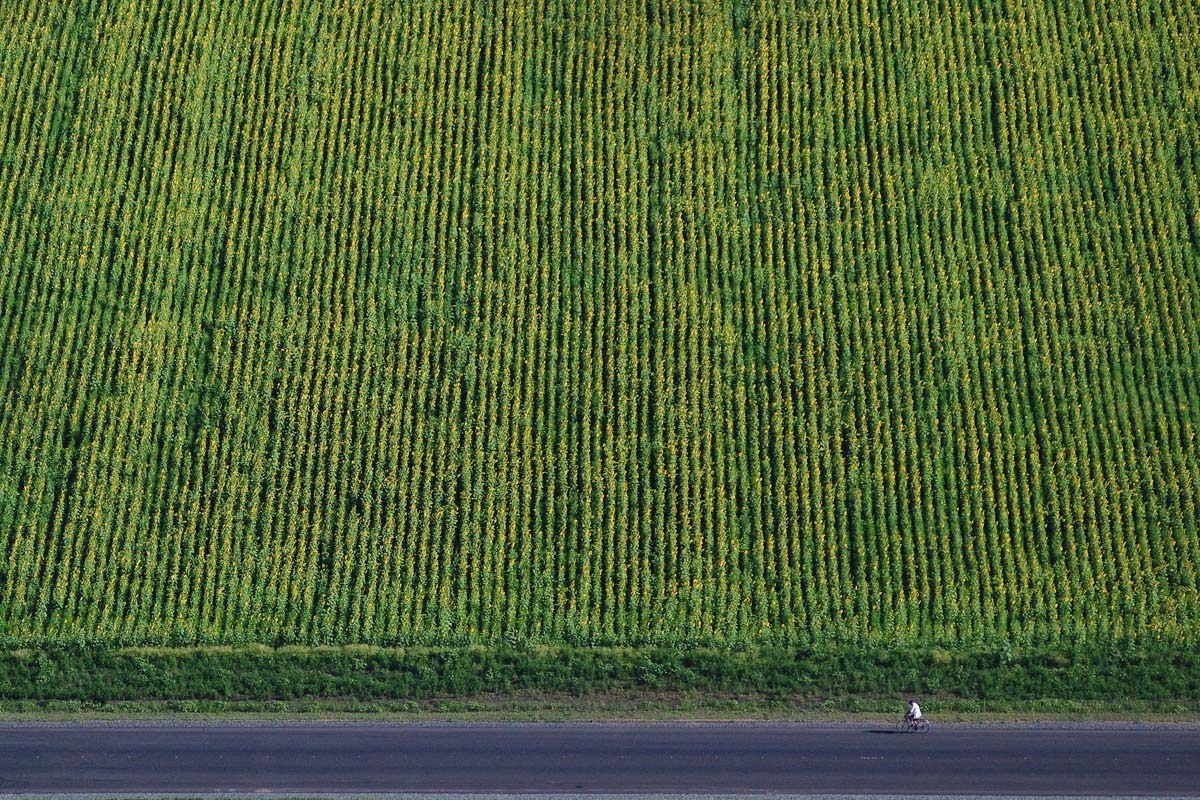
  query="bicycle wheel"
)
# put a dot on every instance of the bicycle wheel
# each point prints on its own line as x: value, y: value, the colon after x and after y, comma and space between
x: 922, y: 726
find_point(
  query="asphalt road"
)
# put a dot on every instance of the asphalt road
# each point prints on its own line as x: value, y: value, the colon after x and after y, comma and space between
x: 597, y: 758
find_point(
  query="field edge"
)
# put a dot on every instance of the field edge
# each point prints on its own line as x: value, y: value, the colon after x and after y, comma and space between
x: 577, y: 682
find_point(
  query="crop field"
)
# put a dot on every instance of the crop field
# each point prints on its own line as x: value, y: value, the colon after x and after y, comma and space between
x: 599, y: 322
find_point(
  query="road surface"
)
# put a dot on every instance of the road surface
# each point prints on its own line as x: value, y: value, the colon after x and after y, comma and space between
x: 609, y: 758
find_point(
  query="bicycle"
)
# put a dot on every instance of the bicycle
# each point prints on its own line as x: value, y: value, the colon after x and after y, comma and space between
x: 907, y: 725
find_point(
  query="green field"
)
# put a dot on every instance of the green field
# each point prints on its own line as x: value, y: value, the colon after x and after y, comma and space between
x: 599, y: 322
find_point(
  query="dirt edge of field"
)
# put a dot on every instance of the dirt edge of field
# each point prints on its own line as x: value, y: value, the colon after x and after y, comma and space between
x: 632, y: 708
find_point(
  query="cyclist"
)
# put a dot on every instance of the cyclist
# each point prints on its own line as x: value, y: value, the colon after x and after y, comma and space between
x: 914, y: 714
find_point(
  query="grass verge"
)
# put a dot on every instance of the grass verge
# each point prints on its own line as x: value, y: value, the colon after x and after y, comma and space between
x: 600, y: 683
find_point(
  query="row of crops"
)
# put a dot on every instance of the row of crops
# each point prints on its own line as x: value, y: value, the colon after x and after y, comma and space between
x: 603, y: 321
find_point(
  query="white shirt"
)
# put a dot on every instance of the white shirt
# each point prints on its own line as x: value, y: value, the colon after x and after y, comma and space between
x: 914, y: 710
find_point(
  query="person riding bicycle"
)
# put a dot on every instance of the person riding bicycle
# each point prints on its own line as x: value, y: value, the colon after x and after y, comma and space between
x: 914, y: 713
